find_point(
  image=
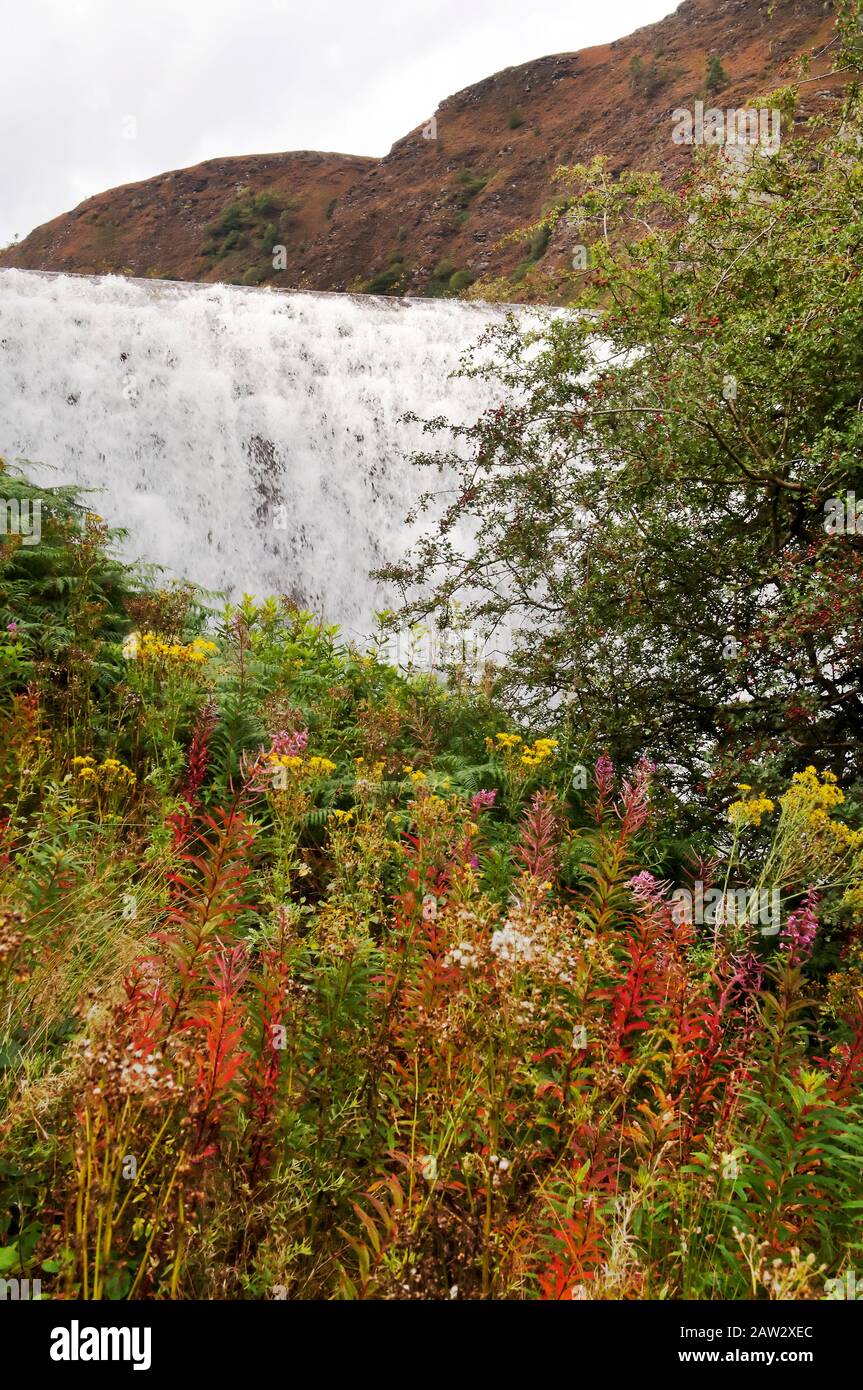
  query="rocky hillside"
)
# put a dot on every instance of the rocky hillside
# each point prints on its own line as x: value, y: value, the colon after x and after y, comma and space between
x: 428, y: 218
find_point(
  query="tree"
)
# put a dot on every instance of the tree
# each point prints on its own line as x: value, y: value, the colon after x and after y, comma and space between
x: 716, y: 75
x: 649, y: 500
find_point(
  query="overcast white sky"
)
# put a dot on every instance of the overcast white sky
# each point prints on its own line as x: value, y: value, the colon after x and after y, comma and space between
x: 201, y: 78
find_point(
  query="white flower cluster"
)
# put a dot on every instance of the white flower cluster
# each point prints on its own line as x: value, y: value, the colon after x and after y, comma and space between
x: 499, y: 1167
x: 463, y: 955
x: 513, y: 946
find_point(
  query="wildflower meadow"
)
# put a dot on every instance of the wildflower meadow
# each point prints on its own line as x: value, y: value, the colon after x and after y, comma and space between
x: 323, y: 979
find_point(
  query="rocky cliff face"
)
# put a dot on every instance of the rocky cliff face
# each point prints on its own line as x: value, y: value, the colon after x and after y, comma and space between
x: 429, y: 217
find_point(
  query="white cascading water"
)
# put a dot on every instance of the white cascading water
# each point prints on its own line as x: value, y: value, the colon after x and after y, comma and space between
x: 250, y: 441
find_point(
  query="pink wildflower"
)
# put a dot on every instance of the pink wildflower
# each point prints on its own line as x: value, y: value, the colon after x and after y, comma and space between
x: 647, y: 889
x: 483, y: 799
x: 635, y: 798
x: 604, y: 776
x: 287, y: 745
x: 798, y: 934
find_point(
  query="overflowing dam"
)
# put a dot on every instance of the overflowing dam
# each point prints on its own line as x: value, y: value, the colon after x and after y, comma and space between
x: 249, y: 441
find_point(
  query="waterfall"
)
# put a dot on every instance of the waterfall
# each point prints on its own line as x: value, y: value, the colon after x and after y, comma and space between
x: 250, y: 441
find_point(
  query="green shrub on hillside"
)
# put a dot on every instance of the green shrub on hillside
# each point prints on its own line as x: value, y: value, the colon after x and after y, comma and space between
x: 646, y: 81
x: 461, y: 280
x: 716, y: 75
x: 467, y: 185
x: 248, y: 218
x: 391, y: 280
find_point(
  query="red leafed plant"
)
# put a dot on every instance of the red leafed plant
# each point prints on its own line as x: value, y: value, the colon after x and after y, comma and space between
x: 574, y: 1264
x: 219, y: 1054
x: 537, y: 846
x: 207, y: 898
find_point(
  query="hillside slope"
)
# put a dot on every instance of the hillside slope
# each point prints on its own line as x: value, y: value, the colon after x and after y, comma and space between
x: 428, y: 217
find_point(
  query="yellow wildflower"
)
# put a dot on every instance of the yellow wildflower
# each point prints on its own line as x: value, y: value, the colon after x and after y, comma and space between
x: 323, y: 765
x: 150, y: 647
x: 536, y: 754
x: 750, y: 811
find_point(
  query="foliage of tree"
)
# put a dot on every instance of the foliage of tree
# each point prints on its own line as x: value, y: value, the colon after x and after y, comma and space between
x: 716, y: 75
x: 648, y: 500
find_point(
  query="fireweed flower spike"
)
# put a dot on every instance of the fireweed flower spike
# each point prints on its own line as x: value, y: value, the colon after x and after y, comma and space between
x: 648, y: 889
x: 290, y: 745
x: 634, y: 806
x: 798, y: 934
x: 603, y: 778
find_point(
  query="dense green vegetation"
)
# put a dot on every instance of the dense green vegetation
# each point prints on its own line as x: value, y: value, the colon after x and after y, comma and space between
x: 655, y: 523
x: 716, y: 75
x: 253, y: 224
x: 323, y: 979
